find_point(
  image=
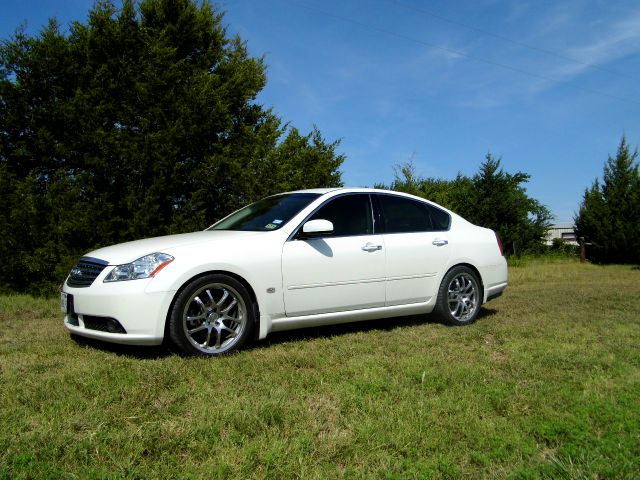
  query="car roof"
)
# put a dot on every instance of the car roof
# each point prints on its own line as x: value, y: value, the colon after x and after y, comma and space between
x: 320, y: 191
x: 324, y: 191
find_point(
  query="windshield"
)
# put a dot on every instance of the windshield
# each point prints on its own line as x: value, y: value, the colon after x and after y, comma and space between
x: 267, y: 214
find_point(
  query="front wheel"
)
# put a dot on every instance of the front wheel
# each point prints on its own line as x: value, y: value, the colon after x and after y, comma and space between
x: 213, y: 315
x: 459, y: 297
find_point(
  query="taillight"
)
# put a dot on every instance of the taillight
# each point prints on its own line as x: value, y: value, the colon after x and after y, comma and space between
x: 499, y: 244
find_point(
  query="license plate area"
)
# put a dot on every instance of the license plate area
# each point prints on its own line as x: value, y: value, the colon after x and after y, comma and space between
x: 66, y: 303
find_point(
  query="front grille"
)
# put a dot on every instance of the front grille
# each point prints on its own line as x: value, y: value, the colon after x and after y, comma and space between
x: 85, y: 272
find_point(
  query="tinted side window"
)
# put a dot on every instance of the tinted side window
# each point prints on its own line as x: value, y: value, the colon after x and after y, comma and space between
x: 440, y: 219
x: 404, y: 215
x: 350, y: 215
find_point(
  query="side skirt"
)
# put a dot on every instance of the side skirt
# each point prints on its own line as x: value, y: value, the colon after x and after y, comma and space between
x: 290, y: 323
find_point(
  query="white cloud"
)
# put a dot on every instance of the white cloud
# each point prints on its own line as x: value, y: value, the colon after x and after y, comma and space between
x: 617, y: 40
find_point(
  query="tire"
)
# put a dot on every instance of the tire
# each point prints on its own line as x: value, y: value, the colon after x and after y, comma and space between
x: 459, y: 297
x: 212, y: 316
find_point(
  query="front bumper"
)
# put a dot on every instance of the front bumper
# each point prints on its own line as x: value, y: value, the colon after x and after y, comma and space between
x: 141, y: 314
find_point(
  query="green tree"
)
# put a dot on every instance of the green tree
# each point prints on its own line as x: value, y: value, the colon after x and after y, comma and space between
x: 498, y: 200
x: 141, y: 122
x: 608, y: 215
x: 439, y: 190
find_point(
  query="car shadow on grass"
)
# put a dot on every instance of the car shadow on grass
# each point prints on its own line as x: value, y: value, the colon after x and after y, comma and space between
x: 386, y: 324
x: 136, y: 351
x: 299, y: 335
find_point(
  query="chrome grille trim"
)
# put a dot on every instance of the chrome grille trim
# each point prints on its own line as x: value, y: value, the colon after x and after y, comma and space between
x: 85, y: 272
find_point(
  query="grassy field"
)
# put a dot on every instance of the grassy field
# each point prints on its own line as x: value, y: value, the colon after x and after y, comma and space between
x: 545, y: 385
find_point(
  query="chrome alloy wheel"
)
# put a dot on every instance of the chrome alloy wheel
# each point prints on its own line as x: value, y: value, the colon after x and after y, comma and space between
x: 462, y: 295
x: 214, y: 318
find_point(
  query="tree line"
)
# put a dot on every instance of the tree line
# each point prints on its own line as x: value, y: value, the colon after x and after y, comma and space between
x: 143, y: 121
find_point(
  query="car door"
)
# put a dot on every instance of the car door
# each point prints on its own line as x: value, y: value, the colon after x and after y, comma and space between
x: 340, y: 271
x: 417, y: 243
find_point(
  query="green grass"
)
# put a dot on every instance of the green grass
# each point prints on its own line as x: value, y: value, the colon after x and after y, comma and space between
x: 545, y: 385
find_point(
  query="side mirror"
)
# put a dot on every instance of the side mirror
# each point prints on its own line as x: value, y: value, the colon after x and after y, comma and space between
x: 314, y: 228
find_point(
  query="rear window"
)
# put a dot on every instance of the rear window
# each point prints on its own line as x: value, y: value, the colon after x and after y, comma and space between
x: 404, y: 215
x: 440, y: 219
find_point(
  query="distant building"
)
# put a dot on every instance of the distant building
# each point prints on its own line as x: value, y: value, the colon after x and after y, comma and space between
x: 563, y: 231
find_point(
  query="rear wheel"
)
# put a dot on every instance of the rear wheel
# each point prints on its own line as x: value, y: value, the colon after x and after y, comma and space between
x: 459, y: 297
x: 213, y: 315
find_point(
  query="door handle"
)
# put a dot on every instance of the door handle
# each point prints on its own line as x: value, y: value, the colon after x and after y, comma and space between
x: 440, y: 243
x: 370, y: 247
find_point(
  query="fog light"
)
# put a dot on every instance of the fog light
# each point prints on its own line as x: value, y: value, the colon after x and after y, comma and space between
x: 113, y: 326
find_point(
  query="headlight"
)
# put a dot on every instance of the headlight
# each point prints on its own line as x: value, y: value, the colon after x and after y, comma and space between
x: 144, y: 267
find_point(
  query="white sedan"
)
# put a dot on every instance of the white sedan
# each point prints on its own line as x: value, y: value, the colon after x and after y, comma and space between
x: 298, y: 259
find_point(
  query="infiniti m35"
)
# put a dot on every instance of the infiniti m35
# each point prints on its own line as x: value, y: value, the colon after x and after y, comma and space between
x: 293, y: 260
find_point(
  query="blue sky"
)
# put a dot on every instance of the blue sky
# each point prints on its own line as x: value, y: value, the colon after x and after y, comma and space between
x: 548, y: 86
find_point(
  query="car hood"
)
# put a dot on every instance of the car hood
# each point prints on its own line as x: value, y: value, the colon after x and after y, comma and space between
x: 130, y: 251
